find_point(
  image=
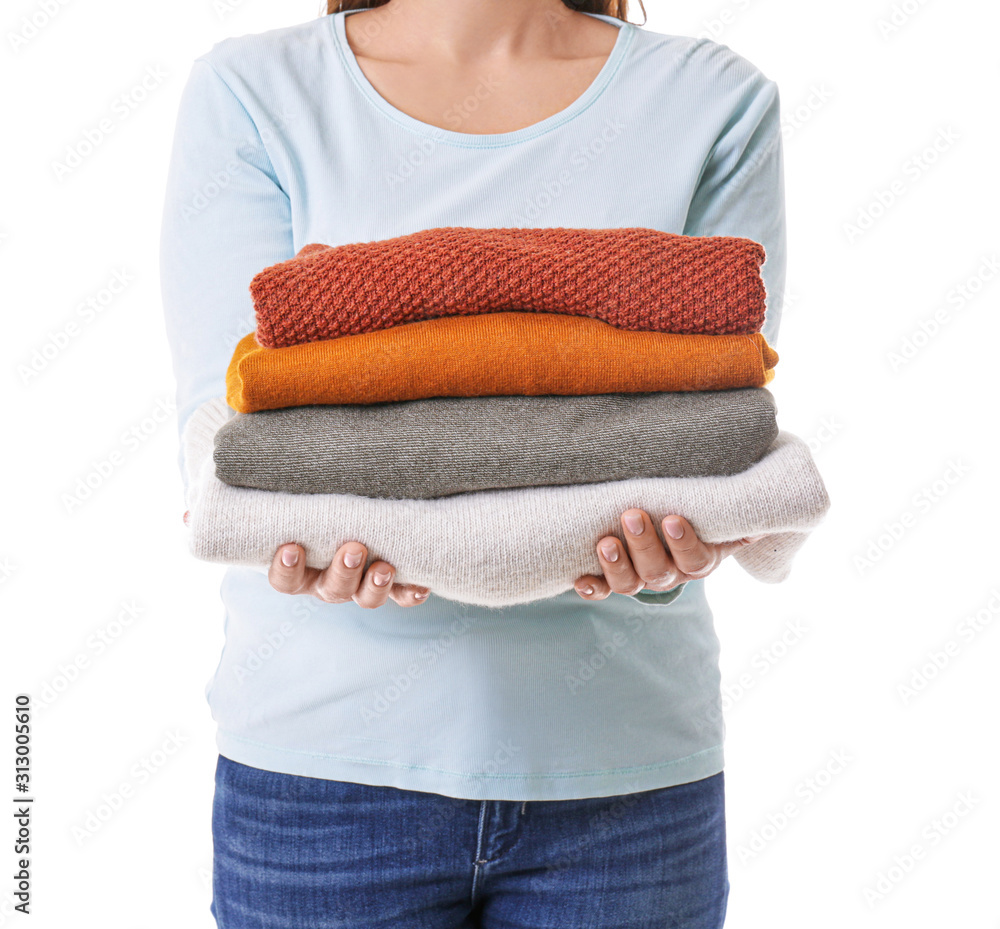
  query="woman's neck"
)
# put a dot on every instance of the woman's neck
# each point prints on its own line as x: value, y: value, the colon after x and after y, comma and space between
x: 474, y: 33
x: 479, y: 66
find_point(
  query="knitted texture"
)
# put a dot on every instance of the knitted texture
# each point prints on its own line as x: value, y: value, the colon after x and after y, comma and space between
x: 501, y: 547
x: 631, y: 278
x: 444, y: 445
x: 491, y: 354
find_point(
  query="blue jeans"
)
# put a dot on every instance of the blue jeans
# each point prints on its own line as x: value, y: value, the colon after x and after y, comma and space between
x: 297, y: 852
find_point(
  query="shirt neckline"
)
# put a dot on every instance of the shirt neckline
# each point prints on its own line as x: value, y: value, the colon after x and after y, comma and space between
x: 623, y: 41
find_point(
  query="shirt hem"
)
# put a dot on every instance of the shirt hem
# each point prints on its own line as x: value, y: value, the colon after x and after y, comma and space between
x: 574, y: 785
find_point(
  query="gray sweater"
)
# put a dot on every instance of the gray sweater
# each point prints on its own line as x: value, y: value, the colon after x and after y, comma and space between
x: 420, y: 449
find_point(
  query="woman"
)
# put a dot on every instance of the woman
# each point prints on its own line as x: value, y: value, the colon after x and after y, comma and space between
x: 552, y: 764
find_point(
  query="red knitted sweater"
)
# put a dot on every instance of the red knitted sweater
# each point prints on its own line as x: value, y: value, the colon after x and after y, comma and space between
x: 638, y: 279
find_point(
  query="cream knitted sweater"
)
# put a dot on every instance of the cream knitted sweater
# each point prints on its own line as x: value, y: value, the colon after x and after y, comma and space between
x: 497, y: 548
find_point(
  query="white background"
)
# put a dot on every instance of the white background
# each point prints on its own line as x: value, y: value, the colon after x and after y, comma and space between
x: 813, y: 666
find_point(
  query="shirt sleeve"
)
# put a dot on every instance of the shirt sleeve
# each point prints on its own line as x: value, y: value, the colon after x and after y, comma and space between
x: 741, y: 191
x: 225, y: 217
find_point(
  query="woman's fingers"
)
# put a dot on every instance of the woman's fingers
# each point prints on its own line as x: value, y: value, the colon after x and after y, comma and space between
x: 643, y: 562
x: 344, y: 579
x: 650, y: 560
x: 692, y: 556
x: 617, y: 566
x: 591, y: 587
x: 409, y: 594
x: 288, y: 572
x: 374, y: 589
x: 338, y: 582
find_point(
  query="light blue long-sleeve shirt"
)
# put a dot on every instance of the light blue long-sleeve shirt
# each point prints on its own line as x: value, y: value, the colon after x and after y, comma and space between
x: 281, y: 141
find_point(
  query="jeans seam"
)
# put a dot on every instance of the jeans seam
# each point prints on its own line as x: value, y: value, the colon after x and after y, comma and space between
x: 478, y: 859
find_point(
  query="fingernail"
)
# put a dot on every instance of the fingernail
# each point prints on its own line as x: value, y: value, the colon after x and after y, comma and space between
x: 379, y: 579
x: 610, y: 551
x: 754, y: 538
x: 352, y: 559
x: 420, y: 595
x: 586, y: 589
x: 290, y: 557
x: 673, y: 527
x: 633, y: 522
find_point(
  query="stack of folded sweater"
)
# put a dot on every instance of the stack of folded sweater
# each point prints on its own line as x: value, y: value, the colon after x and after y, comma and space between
x: 479, y: 406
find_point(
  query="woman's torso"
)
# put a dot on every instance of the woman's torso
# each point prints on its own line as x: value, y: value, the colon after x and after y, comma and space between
x: 559, y: 698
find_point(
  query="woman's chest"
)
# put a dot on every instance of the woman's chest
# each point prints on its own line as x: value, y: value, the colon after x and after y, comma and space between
x: 361, y: 177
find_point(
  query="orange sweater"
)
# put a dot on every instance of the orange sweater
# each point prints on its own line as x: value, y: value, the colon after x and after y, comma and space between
x: 491, y: 354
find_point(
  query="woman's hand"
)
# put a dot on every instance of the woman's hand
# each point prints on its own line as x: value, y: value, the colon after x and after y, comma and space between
x: 345, y: 579
x: 647, y: 564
